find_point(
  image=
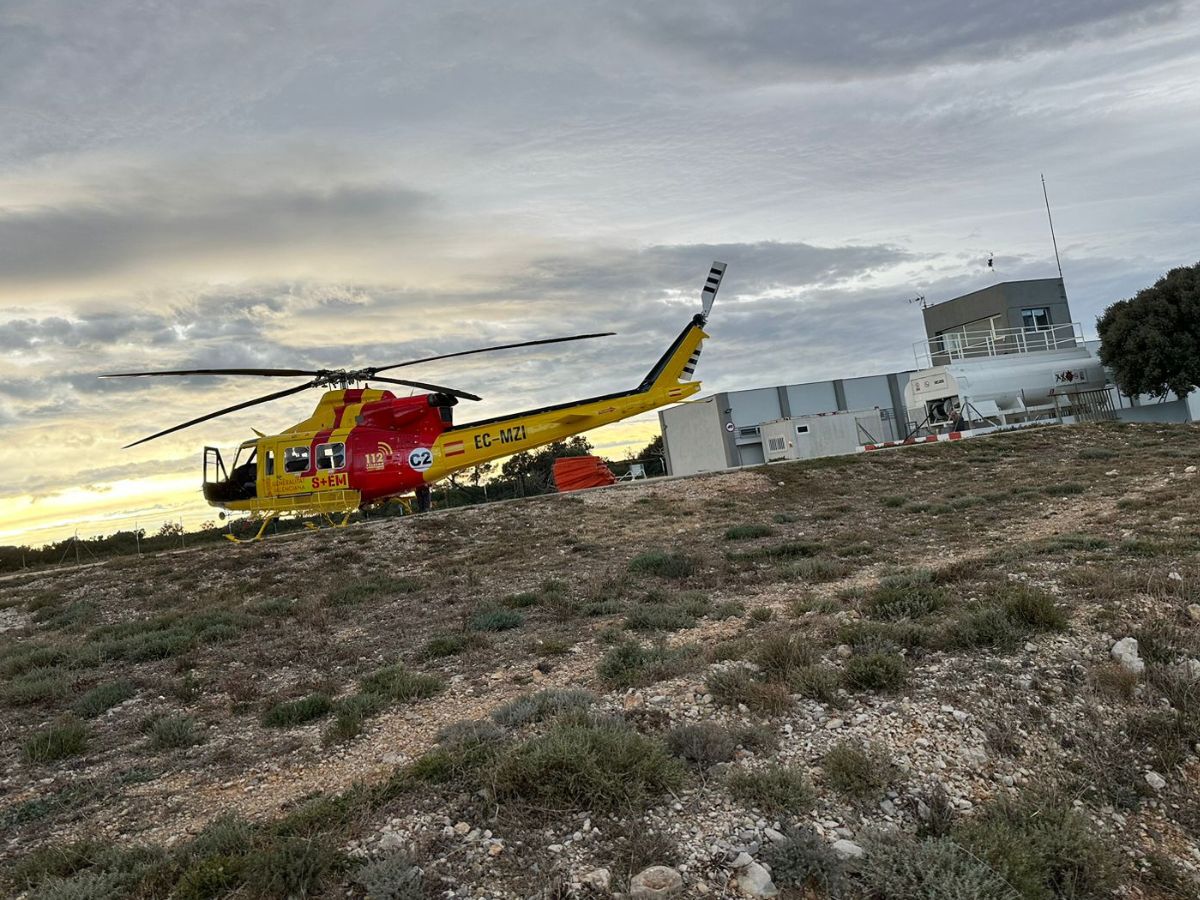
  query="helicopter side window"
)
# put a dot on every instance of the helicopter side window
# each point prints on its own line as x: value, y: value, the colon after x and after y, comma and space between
x: 295, y: 459
x: 331, y: 456
x: 270, y: 462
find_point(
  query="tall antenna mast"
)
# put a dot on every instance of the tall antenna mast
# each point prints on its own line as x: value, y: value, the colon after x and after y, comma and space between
x: 1053, y: 239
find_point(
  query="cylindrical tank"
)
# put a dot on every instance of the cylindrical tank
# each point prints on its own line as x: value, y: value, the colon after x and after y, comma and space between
x: 1012, y: 382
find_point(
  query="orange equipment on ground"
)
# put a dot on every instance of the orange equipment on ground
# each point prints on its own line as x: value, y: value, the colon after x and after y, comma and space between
x: 573, y: 473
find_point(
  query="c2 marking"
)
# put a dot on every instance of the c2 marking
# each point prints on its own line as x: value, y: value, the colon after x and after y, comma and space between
x: 420, y: 458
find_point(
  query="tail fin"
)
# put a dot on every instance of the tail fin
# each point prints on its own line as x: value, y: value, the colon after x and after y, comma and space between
x: 678, y: 364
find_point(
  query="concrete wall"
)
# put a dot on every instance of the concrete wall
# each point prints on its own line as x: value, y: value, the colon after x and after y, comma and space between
x: 1169, y: 412
x: 748, y: 408
x: 694, y: 437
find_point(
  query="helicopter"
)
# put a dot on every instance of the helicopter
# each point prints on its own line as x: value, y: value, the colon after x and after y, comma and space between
x: 364, y: 445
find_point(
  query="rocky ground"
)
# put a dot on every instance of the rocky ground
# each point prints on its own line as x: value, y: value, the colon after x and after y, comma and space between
x: 956, y: 670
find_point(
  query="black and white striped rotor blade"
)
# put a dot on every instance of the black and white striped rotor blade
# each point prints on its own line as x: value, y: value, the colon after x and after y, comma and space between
x: 711, y: 284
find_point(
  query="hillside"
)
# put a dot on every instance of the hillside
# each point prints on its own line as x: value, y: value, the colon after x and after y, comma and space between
x: 886, y: 675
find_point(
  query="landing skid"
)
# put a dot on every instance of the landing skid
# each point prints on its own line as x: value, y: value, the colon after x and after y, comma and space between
x: 267, y: 520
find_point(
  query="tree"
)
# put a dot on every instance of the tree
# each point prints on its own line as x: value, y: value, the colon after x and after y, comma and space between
x: 1151, y: 342
x: 534, y: 468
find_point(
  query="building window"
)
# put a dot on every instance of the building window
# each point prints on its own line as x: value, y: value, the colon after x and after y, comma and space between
x: 801, y: 429
x: 295, y: 459
x: 1036, y: 319
x: 331, y: 456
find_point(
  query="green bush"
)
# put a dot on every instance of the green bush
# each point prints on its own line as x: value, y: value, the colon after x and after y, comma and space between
x: 172, y: 732
x: 587, y: 765
x: 984, y: 626
x: 908, y: 596
x: 857, y: 773
x: 735, y: 686
x: 774, y: 789
x: 780, y: 655
x: 875, y: 672
x: 816, y: 569
x: 397, y: 684
x: 894, y: 501
x: 297, y: 712
x: 392, y: 877
x: 762, y: 614
x: 804, y: 860
x: 452, y: 644
x: 290, y: 867
x: 497, y: 620
x: 664, y: 565
x: 104, y: 697
x: 631, y: 664
x: 817, y: 682
x: 542, y: 705
x: 371, y: 587
x: 60, y: 741
x: 1041, y: 847
x: 603, y: 608
x: 1033, y: 609
x: 522, y: 601
x: 17, y: 659
x: 36, y: 686
x: 1063, y: 489
x: 897, y: 867
x: 728, y: 609
x: 747, y: 532
x: 701, y: 745
x: 658, y: 617
x: 349, y: 714
x: 873, y: 637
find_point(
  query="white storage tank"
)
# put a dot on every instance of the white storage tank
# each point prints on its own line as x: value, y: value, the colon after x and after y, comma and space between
x: 1005, y: 385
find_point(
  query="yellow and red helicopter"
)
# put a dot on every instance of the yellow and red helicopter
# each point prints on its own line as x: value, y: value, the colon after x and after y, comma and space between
x: 364, y: 445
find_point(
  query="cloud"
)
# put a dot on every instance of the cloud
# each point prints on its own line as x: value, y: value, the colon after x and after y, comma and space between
x: 847, y: 38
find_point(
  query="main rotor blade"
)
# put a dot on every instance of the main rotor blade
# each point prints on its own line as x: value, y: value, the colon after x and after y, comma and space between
x: 213, y: 372
x: 436, y: 388
x: 221, y: 412
x: 413, y: 362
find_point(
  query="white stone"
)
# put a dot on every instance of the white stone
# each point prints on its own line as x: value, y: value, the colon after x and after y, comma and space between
x: 389, y: 840
x: 1156, y: 781
x: 743, y: 859
x: 755, y: 881
x: 1190, y: 669
x: 1193, y: 612
x: 844, y: 651
x: 597, y: 878
x: 833, y: 724
x: 1174, y: 576
x: 1191, y: 470
x: 847, y: 849
x: 1125, y: 652
x: 462, y: 828
x: 655, y: 882
x: 775, y: 837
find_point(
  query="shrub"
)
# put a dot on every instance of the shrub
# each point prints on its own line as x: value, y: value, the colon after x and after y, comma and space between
x: 349, y: 715
x: 774, y: 789
x: 747, y: 532
x: 392, y: 877
x: 603, y: 608
x: 85, y: 886
x: 1032, y: 608
x: 586, y: 765
x: 986, y: 626
x: 370, y: 587
x: 762, y: 614
x: 104, y: 697
x: 289, y: 867
x: 779, y: 655
x: 664, y: 565
x: 804, y: 860
x: 297, y: 712
x: 816, y: 682
x: 172, y: 732
x: 1096, y: 453
x: 542, y: 705
x: 894, y: 501
x: 36, y: 686
x: 856, y: 773
x: 453, y: 644
x: 18, y: 659
x: 819, y: 568
x: 1042, y: 849
x: 737, y: 686
x: 872, y: 637
x: 756, y: 738
x: 469, y: 733
x: 898, y: 868
x: 658, y: 617
x: 397, y: 684
x: 875, y: 672
x: 728, y: 609
x: 1164, y: 641
x: 65, y: 739
x: 701, y: 745
x: 497, y: 620
x: 909, y: 596
x: 522, y: 601
x: 630, y: 664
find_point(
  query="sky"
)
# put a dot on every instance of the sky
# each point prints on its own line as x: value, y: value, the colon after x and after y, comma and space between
x: 304, y: 184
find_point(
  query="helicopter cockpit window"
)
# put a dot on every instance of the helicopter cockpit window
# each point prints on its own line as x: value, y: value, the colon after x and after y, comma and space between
x: 331, y: 456
x: 295, y: 459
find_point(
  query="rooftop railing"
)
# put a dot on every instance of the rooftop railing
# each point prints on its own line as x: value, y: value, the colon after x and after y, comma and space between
x: 953, y: 346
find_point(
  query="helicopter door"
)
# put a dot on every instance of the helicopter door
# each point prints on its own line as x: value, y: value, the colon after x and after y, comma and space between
x: 286, y: 463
